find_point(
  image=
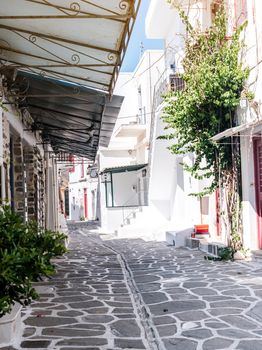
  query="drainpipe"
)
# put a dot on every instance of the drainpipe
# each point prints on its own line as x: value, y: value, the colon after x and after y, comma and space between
x: 150, y: 82
x: 2, y: 195
x: 1, y: 125
x: 151, y: 106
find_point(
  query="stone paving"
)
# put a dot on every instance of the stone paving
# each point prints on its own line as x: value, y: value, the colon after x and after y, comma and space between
x: 132, y: 294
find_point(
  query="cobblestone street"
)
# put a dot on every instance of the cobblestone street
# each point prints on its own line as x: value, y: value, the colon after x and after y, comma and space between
x: 131, y: 294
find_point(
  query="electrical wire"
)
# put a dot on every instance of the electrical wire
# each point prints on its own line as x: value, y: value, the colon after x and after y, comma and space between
x: 168, y: 48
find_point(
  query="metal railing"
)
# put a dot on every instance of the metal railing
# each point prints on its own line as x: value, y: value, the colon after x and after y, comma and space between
x: 167, y: 82
x: 141, y: 118
x: 140, y: 203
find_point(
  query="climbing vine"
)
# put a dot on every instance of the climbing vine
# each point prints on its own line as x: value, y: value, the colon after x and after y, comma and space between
x: 214, y: 84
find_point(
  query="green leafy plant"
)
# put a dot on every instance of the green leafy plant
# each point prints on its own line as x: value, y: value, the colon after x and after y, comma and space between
x: 25, y: 256
x: 214, y: 83
x: 226, y: 253
x: 214, y: 80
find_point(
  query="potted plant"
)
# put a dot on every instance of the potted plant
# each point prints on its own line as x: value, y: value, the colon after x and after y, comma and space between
x: 25, y: 256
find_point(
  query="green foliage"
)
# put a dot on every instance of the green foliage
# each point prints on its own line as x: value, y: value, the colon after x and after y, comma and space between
x: 226, y: 253
x: 214, y: 79
x: 25, y: 253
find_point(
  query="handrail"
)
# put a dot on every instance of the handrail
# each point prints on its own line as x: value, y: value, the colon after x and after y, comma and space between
x: 163, y: 77
x: 168, y: 81
x: 133, y: 211
x: 131, y: 197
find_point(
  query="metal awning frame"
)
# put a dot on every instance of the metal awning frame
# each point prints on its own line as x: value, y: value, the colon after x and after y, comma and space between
x: 114, y: 57
x: 72, y: 128
x: 235, y: 130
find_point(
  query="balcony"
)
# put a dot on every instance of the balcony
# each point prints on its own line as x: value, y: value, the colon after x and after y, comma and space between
x: 130, y: 130
x: 135, y: 128
x: 167, y: 82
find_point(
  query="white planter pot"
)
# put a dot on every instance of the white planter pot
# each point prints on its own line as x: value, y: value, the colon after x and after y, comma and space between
x: 239, y: 256
x: 11, y: 325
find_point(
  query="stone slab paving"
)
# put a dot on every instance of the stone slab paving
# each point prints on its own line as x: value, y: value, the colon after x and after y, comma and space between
x: 195, y: 304
x: 132, y: 294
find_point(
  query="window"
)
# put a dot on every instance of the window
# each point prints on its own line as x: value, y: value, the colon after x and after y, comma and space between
x: 72, y: 160
x: 67, y: 202
x: 240, y: 12
x: 109, y: 189
x: 82, y: 168
x: 6, y: 182
x: 176, y: 83
x: 214, y: 8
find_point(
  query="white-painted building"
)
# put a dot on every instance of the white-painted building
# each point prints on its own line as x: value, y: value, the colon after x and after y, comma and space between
x: 124, y: 164
x: 82, y: 190
x: 169, y: 185
x: 169, y: 206
x: 250, y: 126
x: 185, y: 211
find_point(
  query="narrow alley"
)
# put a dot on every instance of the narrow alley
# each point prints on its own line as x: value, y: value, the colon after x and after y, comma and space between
x: 131, y: 132
x: 132, y: 294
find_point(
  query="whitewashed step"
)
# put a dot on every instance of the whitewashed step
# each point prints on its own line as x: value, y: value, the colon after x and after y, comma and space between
x: 178, y: 238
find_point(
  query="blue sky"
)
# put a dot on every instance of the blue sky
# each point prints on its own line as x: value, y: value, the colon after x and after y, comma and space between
x: 138, y: 35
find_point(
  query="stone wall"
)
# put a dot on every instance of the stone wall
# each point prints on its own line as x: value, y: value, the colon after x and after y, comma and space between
x: 19, y: 178
x: 23, y: 173
x: 41, y: 187
x: 28, y: 180
x: 6, y: 159
x: 35, y: 184
x: 30, y: 183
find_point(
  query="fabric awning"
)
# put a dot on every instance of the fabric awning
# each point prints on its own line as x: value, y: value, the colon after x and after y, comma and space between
x: 73, y: 119
x: 77, y: 41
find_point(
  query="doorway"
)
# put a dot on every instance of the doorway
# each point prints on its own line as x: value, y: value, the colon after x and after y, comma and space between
x: 258, y: 186
x: 85, y: 204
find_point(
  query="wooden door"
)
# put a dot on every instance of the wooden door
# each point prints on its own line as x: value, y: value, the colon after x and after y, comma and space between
x: 85, y: 204
x: 258, y: 186
x: 218, y: 215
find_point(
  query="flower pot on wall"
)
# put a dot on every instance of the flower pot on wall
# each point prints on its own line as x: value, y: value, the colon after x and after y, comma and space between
x: 201, y: 228
x: 11, y: 326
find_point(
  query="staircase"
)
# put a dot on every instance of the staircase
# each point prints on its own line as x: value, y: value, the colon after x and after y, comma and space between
x: 131, y: 216
x: 256, y: 255
x: 141, y: 222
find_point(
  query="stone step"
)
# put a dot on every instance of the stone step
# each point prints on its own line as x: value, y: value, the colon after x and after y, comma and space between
x: 256, y: 255
x: 178, y: 238
x: 211, y: 248
x: 193, y: 243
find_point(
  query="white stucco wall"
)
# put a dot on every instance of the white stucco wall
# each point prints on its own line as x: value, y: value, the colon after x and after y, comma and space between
x: 252, y: 58
x: 250, y: 229
x: 125, y: 188
x: 113, y: 158
x: 125, y: 86
x: 170, y: 185
x: 79, y: 182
